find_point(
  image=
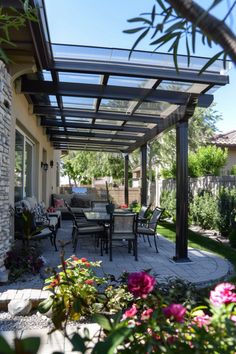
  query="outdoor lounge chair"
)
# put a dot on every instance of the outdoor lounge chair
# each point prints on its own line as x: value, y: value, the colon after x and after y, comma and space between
x: 149, y: 229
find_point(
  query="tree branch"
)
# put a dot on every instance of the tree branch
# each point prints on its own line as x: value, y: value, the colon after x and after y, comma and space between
x: 215, y: 29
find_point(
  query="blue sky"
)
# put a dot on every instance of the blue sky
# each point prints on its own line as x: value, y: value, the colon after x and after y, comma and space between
x: 101, y: 22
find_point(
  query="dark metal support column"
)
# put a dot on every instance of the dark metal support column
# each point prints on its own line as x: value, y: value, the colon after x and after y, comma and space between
x: 144, y: 174
x: 181, y: 192
x: 126, y: 181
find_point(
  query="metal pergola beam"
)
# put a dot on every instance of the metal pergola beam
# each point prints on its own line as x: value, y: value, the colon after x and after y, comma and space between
x: 109, y: 92
x: 81, y: 141
x: 170, y: 120
x: 56, y: 123
x: 85, y: 148
x: 139, y: 70
x: 47, y: 111
x: 91, y: 134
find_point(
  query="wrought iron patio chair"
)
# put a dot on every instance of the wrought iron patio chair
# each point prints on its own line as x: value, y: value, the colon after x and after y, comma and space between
x: 99, y: 205
x: 150, y: 228
x: 82, y: 227
x: 123, y: 227
x: 143, y: 216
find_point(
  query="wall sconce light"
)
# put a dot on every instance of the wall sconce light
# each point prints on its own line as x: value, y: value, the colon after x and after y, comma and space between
x: 44, y: 166
x: 51, y: 163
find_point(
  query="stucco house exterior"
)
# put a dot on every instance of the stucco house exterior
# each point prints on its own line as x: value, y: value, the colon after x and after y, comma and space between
x: 227, y: 140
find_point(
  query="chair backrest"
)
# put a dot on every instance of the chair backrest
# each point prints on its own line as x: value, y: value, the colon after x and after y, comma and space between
x: 123, y: 223
x: 156, y: 215
x: 144, y: 210
x: 99, y: 205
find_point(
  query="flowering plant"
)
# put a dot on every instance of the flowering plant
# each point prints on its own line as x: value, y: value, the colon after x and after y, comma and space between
x: 150, y: 325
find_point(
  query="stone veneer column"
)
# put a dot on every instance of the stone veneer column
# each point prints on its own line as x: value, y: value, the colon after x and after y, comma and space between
x: 5, y: 127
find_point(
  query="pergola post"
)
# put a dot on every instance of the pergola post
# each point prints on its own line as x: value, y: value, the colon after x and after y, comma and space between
x: 144, y: 174
x: 182, y: 183
x: 181, y: 250
x: 126, y: 179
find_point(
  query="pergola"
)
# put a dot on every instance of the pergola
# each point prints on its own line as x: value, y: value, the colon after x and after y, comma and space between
x: 103, y: 99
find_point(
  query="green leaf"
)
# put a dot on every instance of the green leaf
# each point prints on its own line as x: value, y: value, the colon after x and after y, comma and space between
x: 134, y: 30
x: 5, y: 347
x: 140, y: 19
x: 31, y: 345
x: 178, y: 25
x: 209, y: 42
x: 211, y: 61
x: 45, y: 305
x: 159, y: 27
x: 138, y: 40
x: 112, y: 341
x: 102, y: 321
x: 175, y: 53
x: 165, y: 38
x: 153, y: 14
x: 160, y: 3
x: 188, y: 51
x: 77, y: 305
x: 78, y: 343
x: 26, y: 5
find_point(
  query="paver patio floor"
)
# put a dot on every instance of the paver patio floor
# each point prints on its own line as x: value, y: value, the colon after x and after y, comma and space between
x: 203, y: 268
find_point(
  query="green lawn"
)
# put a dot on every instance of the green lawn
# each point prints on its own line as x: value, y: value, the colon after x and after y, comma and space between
x: 201, y: 242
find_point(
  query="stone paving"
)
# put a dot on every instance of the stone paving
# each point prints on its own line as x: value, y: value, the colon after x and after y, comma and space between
x: 204, y: 268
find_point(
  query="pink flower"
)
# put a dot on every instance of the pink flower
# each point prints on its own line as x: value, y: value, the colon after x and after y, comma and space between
x: 201, y: 320
x: 223, y: 294
x: 175, y: 312
x: 130, y: 312
x: 140, y: 284
x: 146, y: 314
x: 233, y: 318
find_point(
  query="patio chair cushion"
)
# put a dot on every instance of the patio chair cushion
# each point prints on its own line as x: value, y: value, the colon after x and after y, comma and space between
x: 91, y: 229
x: 145, y: 230
x: 59, y: 203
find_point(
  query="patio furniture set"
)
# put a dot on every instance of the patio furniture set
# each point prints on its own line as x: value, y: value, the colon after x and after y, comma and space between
x: 120, y: 225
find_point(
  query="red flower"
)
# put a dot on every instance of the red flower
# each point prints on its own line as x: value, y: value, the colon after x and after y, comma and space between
x: 75, y: 258
x: 130, y: 312
x: 175, y: 312
x: 223, y: 294
x: 89, y: 281
x: 55, y: 282
x: 140, y: 284
x: 83, y: 260
x: 87, y: 265
x: 146, y: 314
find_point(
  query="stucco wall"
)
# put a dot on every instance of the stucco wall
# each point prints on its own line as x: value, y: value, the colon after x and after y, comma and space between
x: 231, y: 161
x: 30, y: 125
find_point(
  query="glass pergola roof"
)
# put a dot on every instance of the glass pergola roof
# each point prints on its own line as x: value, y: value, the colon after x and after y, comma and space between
x: 94, y: 98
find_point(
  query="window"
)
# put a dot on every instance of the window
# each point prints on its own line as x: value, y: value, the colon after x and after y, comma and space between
x: 24, y: 153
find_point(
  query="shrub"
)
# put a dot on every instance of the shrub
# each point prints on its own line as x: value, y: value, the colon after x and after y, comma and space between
x: 226, y: 205
x: 168, y: 201
x: 23, y: 260
x: 153, y: 325
x: 204, y: 211
x: 233, y: 170
x: 232, y: 237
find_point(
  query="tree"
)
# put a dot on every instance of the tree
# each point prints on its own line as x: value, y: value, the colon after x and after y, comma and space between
x: 11, y: 19
x: 178, y: 21
x: 84, y: 165
x: 207, y: 160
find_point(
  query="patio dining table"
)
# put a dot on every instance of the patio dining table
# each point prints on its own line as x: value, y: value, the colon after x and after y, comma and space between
x: 102, y: 216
